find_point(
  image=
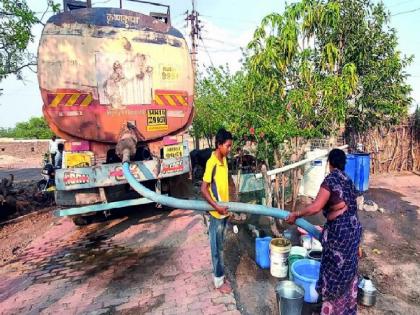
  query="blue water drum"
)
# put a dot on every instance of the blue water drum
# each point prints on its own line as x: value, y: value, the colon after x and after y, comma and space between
x: 350, y: 168
x: 262, y: 252
x: 358, y: 169
x: 362, y: 171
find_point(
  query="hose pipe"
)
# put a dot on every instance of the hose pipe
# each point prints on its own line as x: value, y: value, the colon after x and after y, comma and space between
x: 204, y: 206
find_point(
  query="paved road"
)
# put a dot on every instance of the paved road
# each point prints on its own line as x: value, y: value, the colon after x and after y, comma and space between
x: 151, y: 262
x: 22, y: 174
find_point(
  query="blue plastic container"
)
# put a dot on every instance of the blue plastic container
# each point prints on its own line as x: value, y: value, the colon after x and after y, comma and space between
x: 358, y: 169
x: 306, y: 273
x: 362, y: 171
x: 262, y: 252
x: 350, y: 168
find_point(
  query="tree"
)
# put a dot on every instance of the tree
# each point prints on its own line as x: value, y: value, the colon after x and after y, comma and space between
x: 220, y: 99
x: 417, y: 123
x: 309, y: 71
x: 16, y: 23
x: 364, y: 38
x: 286, y: 89
x: 293, y: 77
x: 35, y: 128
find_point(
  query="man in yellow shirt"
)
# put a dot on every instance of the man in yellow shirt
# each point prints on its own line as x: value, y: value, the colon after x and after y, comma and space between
x: 215, y: 188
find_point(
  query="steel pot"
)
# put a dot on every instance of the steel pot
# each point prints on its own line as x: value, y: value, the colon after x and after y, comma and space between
x: 366, y: 294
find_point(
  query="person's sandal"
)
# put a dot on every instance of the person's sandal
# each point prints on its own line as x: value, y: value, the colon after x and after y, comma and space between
x: 225, y: 288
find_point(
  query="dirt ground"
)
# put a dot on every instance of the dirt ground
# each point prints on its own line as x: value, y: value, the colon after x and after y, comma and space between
x: 391, y: 244
x: 391, y: 250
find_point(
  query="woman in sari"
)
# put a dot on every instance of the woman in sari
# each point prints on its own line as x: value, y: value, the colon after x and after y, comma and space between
x: 340, y: 238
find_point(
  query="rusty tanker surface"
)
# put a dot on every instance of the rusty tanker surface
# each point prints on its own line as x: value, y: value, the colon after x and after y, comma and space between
x: 100, y: 68
x: 102, y: 71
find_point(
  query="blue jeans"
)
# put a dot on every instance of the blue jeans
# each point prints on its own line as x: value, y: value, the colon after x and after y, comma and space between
x: 217, y: 236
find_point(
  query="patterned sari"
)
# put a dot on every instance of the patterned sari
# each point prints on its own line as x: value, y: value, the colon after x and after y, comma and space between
x: 340, y: 240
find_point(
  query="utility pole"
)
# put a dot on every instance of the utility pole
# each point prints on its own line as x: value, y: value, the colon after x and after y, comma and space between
x: 194, y: 22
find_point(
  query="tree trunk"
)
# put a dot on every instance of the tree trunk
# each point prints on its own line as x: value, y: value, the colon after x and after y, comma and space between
x: 395, y: 151
x: 402, y: 150
x: 196, y: 143
x: 413, y: 159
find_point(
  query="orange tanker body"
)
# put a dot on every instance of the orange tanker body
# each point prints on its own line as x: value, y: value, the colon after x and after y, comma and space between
x: 101, y: 70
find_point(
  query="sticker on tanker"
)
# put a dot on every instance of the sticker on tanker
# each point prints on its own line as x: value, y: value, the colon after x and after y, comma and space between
x: 124, y: 79
x: 69, y: 99
x: 173, y: 151
x: 174, y: 167
x: 169, y: 72
x: 71, y: 178
x: 157, y: 120
x: 171, y: 98
x: 119, y: 174
x: 78, y: 159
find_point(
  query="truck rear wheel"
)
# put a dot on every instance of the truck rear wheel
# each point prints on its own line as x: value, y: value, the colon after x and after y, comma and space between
x: 179, y: 186
x: 81, y: 220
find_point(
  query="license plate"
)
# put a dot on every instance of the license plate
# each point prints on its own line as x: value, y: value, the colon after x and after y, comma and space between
x: 157, y: 120
x: 173, y: 151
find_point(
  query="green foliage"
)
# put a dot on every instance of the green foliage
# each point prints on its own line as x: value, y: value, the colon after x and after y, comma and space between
x: 293, y: 80
x: 35, y: 128
x: 365, y: 38
x: 16, y: 22
x: 220, y: 103
x: 307, y: 72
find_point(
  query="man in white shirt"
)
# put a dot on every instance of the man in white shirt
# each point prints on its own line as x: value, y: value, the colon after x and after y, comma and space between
x: 53, y: 148
x: 58, y: 162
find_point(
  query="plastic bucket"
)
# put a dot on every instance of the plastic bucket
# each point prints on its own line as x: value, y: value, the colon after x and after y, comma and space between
x: 308, y: 242
x: 289, y: 298
x: 306, y: 273
x: 298, y: 250
x: 262, y: 251
x: 279, y: 252
x: 315, y: 254
x: 291, y: 260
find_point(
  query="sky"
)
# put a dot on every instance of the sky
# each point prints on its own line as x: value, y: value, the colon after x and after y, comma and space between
x: 228, y: 25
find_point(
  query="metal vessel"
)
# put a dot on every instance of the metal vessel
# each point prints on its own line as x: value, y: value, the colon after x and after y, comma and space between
x: 366, y: 294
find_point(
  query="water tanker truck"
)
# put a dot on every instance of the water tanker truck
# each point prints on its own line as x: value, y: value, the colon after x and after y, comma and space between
x: 114, y: 80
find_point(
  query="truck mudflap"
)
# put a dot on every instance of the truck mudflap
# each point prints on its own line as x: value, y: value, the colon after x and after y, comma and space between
x: 106, y: 175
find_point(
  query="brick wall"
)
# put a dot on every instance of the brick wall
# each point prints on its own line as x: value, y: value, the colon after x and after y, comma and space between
x: 24, y: 149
